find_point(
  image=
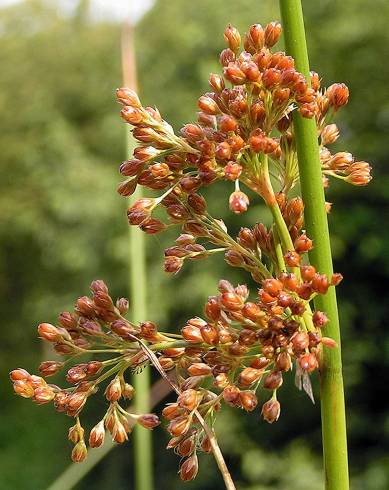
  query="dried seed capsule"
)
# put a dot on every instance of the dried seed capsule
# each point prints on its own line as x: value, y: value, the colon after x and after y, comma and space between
x: 210, y: 334
x: 260, y: 363
x: 186, y: 447
x: 171, y: 411
x: 271, y: 410
x: 249, y: 376
x: 319, y: 319
x: 248, y: 400
x: 272, y: 286
x: 49, y: 368
x: 179, y: 425
x: 148, y: 420
x: 79, y: 452
x: 283, y: 361
x: 49, y: 332
x: 273, y: 380
x: 300, y: 342
x: 292, y: 259
x: 189, y: 468
x: 308, y: 362
x: 238, y: 202
x: 97, y: 435
x: 232, y: 301
x: 232, y: 37
x: 113, y: 391
x: 272, y: 33
x: 231, y: 395
x: 307, y: 272
x: 199, y: 369
x: 189, y: 399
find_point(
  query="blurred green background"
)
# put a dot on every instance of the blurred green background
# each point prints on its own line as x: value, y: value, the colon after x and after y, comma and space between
x: 62, y: 225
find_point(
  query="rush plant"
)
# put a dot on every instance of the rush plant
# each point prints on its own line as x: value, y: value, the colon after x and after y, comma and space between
x: 251, y: 132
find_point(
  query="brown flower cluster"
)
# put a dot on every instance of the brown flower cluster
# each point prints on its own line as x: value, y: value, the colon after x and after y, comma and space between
x: 244, y: 134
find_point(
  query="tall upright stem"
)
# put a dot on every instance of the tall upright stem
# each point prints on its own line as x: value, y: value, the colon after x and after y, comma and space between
x: 137, y: 287
x: 331, y: 381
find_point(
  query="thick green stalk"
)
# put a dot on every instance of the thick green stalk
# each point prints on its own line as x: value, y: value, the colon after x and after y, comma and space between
x: 138, y: 295
x: 331, y: 381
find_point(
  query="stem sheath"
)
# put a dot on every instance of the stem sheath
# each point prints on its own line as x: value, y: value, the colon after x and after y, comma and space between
x: 331, y: 381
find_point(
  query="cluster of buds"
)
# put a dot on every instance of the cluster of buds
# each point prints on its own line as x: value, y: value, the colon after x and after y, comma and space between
x: 244, y: 133
x: 95, y: 321
x: 244, y: 124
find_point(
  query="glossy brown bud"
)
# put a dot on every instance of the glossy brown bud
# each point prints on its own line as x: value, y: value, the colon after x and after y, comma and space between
x: 49, y: 368
x: 199, y: 369
x: 179, y: 425
x: 300, y: 342
x: 49, y: 332
x: 97, y: 435
x: 292, y: 258
x: 273, y: 380
x: 210, y: 334
x: 249, y: 376
x: 308, y: 362
x: 248, y: 400
x: 307, y: 272
x: 272, y: 33
x: 216, y: 82
x: 113, y: 391
x: 303, y: 244
x: 319, y: 319
x: 232, y: 37
x: 337, y: 95
x: 189, y: 468
x: 79, y: 452
x: 148, y: 420
x: 231, y: 395
x: 271, y: 410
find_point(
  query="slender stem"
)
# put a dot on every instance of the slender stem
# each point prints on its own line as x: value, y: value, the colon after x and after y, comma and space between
x: 137, y: 287
x: 332, y: 395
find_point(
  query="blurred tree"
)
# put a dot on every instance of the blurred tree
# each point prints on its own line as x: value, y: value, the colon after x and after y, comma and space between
x: 61, y: 223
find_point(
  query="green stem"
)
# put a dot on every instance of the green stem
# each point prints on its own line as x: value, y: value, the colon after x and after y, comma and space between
x: 332, y: 395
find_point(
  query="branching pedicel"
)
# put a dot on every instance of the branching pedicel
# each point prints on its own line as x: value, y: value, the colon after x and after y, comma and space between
x: 244, y: 134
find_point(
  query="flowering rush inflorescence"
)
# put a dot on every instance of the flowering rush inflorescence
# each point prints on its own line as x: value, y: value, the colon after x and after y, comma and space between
x: 241, y: 345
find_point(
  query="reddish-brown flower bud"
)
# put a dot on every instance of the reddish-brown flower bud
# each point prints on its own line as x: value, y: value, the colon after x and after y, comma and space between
x: 272, y: 33
x: 232, y: 301
x: 319, y: 319
x: 232, y: 38
x: 49, y: 368
x: 315, y: 81
x: 320, y: 283
x: 19, y: 374
x: 271, y: 410
x: 226, y: 56
x: 97, y: 435
x: 308, y: 362
x: 249, y: 376
x: 231, y: 395
x: 173, y: 264
x: 23, y: 388
x: 260, y: 363
x: 132, y: 115
x: 210, y: 334
x: 272, y: 286
x: 337, y: 95
x: 271, y: 78
x: 289, y: 281
x: 273, y: 380
x: 49, y: 332
x: 128, y: 97
x: 234, y: 74
x: 307, y: 272
x: 199, y: 369
x: 113, y: 391
x: 328, y: 342
x: 152, y: 226
x: 216, y: 82
x: 238, y: 202
x: 179, y: 425
x: 336, y: 279
x: 189, y: 468
x: 283, y: 361
x: 189, y: 399
x: 300, y: 342
x: 292, y: 258
x: 208, y: 105
x: 303, y: 244
x: 223, y: 151
x: 248, y: 400
x: 148, y: 420
x: 79, y: 452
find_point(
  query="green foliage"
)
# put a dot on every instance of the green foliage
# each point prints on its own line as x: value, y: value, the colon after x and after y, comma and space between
x: 61, y: 223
